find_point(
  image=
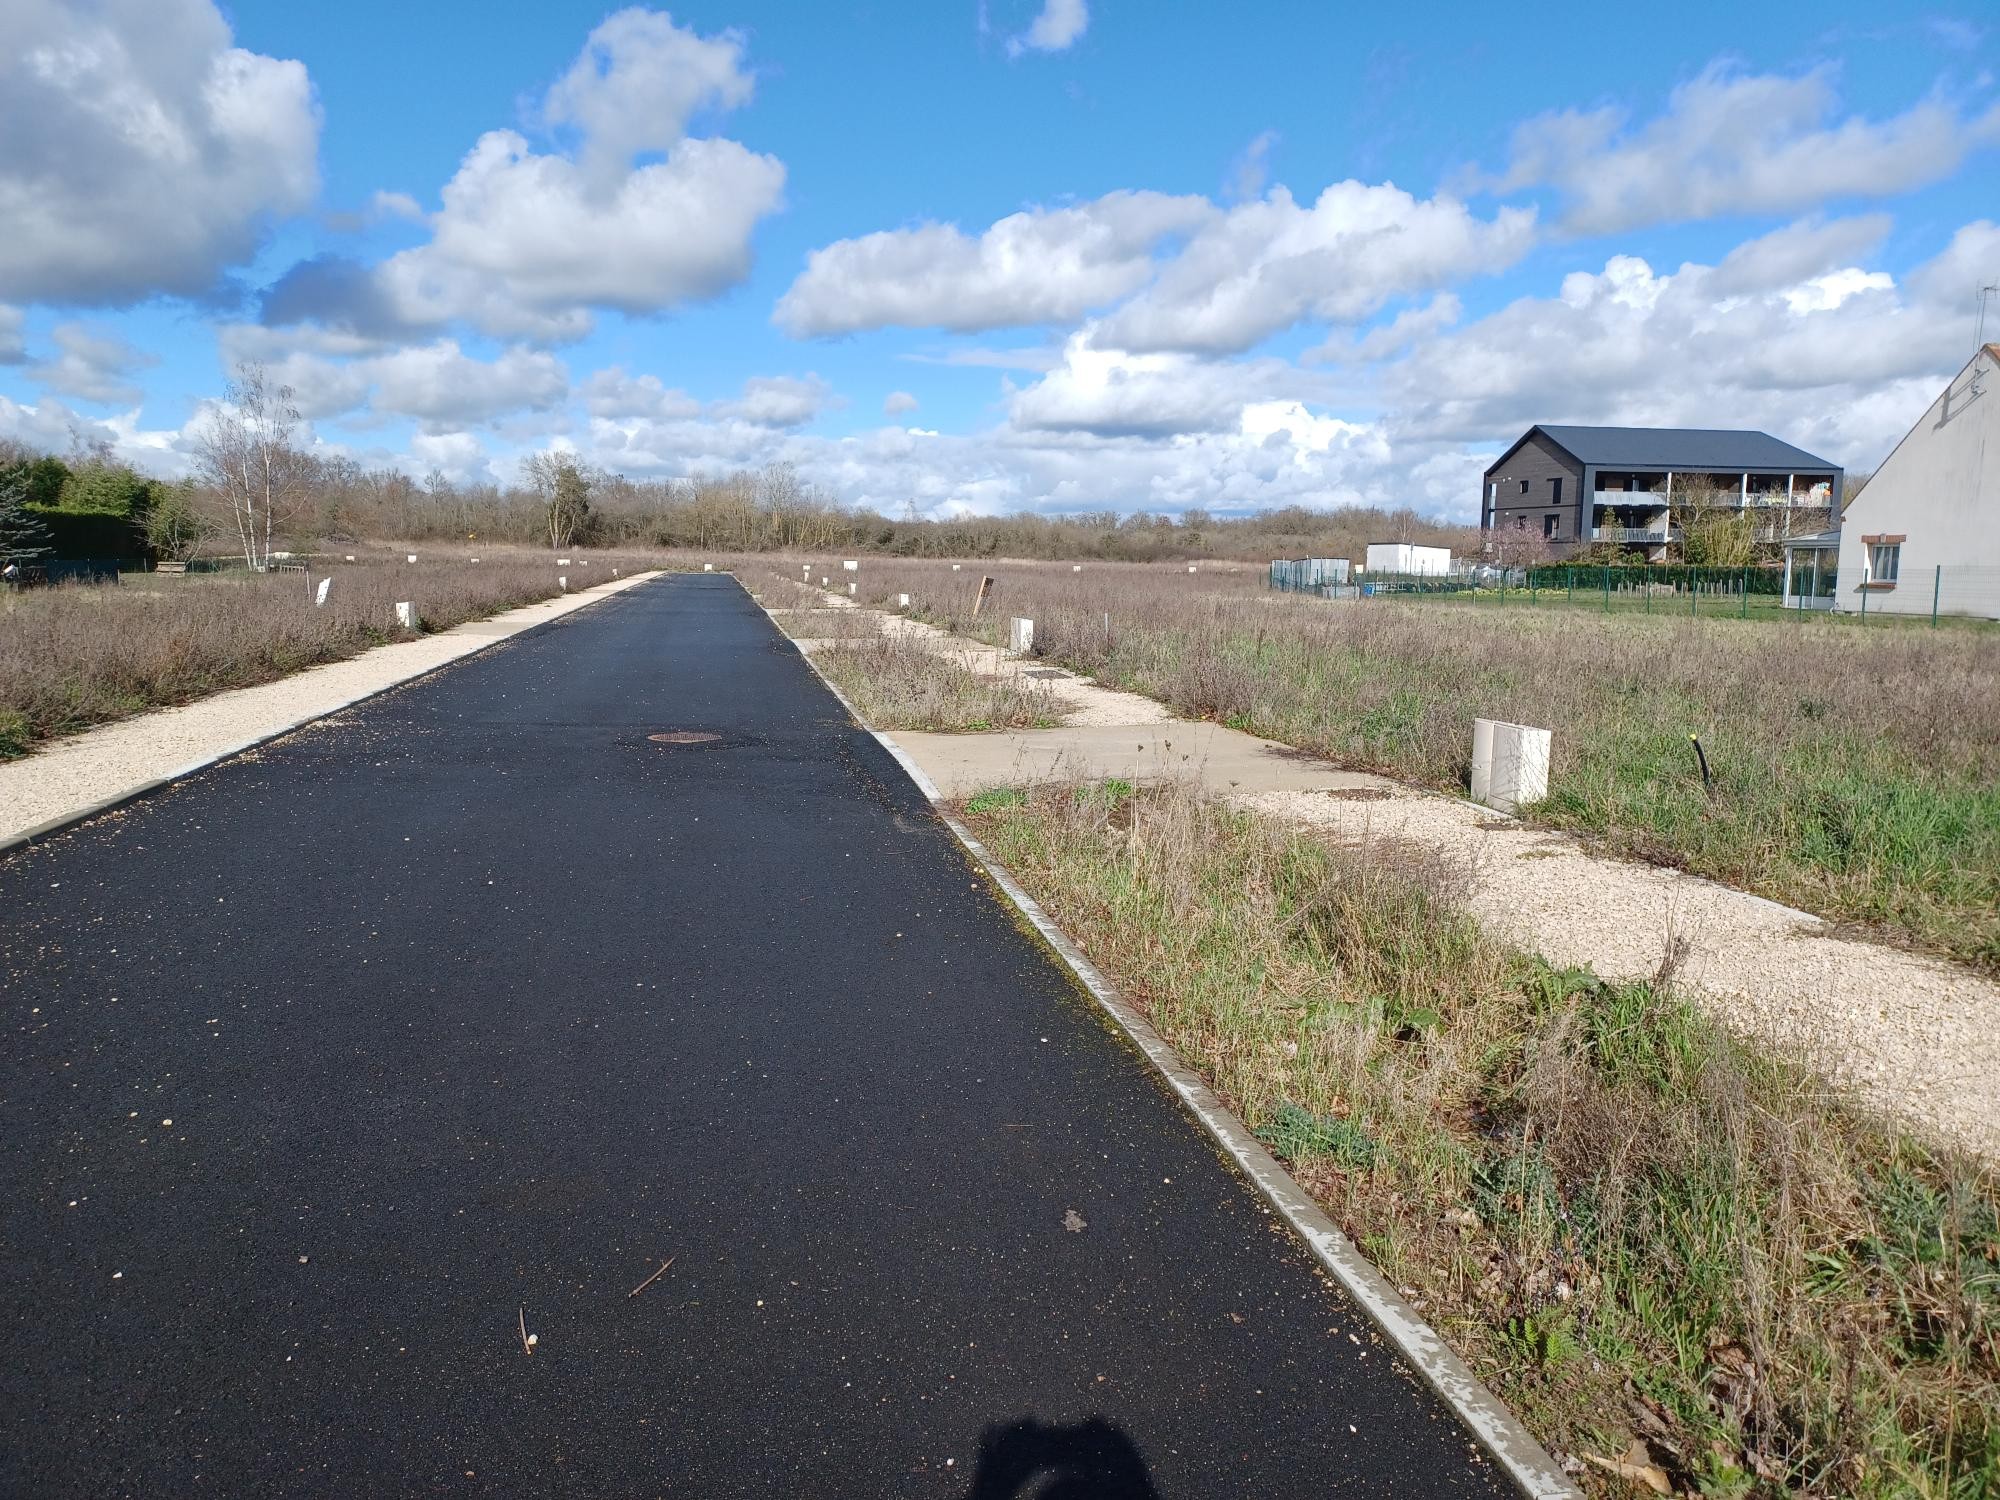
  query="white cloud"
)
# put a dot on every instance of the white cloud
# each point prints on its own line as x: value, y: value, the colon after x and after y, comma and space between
x: 613, y: 393
x: 1250, y: 171
x: 437, y: 384
x: 771, y: 402
x: 13, y: 344
x: 144, y: 152
x: 777, y: 401
x: 638, y: 82
x: 1807, y: 248
x: 897, y: 402
x: 444, y: 388
x: 459, y: 456
x: 1266, y: 265
x: 384, y: 204
x: 92, y: 365
x: 1114, y: 393
x: 1037, y: 266
x: 1839, y: 361
x: 1737, y: 143
x: 50, y: 426
x: 1055, y: 29
x: 1241, y: 275
x: 527, y: 243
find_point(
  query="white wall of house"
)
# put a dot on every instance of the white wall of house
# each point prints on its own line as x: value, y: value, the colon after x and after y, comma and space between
x: 1408, y: 558
x: 1939, y: 492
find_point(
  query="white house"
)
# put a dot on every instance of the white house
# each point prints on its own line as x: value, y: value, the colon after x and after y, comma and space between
x: 1924, y: 533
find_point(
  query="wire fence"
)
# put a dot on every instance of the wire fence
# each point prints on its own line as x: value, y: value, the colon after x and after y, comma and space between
x: 1943, y: 594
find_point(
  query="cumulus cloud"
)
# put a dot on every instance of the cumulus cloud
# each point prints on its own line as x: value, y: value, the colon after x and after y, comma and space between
x: 1197, y: 277
x: 1737, y: 143
x: 1840, y: 361
x: 1055, y: 28
x: 1266, y: 265
x: 897, y: 402
x: 144, y: 152
x: 437, y: 384
x: 1037, y: 266
x: 778, y: 401
x: 636, y: 216
x: 443, y: 387
x: 767, y: 402
x: 92, y: 365
x: 1113, y: 392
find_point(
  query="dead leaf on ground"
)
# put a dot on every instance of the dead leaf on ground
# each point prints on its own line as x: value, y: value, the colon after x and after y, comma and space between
x: 1073, y: 1221
x: 1637, y: 1466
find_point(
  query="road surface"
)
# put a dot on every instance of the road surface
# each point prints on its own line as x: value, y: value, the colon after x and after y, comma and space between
x: 338, y: 1068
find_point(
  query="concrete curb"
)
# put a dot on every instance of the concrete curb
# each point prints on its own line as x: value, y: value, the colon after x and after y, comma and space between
x: 138, y: 789
x: 1524, y: 1460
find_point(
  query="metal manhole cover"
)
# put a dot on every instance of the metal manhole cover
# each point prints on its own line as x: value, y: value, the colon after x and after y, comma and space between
x: 684, y: 737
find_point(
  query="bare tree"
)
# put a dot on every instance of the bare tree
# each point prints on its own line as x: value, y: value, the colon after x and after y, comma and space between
x: 247, y: 456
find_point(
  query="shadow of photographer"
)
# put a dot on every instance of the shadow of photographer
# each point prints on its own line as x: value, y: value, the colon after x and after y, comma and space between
x: 1032, y: 1460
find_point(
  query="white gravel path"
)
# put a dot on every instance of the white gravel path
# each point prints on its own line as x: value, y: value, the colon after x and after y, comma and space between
x: 116, y: 761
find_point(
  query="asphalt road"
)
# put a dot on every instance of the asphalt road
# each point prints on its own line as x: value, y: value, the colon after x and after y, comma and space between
x: 334, y: 1066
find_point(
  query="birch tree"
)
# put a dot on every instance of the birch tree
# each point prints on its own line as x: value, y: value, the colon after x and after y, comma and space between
x: 247, y: 456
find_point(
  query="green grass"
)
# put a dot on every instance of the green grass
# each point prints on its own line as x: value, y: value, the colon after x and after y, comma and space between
x: 1632, y: 1224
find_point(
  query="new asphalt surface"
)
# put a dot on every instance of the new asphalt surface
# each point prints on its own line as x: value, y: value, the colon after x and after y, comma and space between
x: 335, y: 1068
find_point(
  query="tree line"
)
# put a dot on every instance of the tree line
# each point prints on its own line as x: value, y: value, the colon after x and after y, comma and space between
x: 256, y: 487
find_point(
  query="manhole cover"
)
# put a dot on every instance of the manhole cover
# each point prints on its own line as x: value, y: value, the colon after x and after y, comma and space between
x: 684, y: 737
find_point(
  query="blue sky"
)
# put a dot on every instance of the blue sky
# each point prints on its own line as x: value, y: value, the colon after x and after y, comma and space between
x: 1022, y: 254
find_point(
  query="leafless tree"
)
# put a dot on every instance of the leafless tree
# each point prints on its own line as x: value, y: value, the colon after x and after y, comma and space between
x: 248, y: 458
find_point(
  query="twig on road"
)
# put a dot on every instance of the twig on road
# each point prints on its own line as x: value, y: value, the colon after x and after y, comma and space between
x: 527, y: 1342
x: 653, y: 1278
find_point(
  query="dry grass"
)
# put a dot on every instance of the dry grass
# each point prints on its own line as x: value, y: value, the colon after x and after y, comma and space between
x: 79, y: 655
x: 1633, y: 1225
x: 902, y: 684
x: 1857, y: 770
x: 808, y: 624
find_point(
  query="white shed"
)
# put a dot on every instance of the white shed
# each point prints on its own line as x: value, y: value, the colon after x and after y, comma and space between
x: 1924, y: 533
x: 1408, y: 559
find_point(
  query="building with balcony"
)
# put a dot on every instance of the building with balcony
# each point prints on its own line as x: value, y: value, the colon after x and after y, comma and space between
x: 1558, y: 489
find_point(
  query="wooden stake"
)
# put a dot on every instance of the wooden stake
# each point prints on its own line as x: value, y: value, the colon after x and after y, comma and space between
x: 985, y: 588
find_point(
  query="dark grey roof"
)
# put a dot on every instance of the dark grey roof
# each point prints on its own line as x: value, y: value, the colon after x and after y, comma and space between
x: 1688, y: 449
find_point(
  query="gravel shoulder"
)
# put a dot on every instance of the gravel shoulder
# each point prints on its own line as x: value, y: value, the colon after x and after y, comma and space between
x: 115, y: 761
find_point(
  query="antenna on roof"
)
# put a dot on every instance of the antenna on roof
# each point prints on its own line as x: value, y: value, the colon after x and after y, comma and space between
x: 1979, y: 339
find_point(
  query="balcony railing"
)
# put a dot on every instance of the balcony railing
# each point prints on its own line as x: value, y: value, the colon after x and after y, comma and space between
x: 1656, y: 536
x: 1629, y: 497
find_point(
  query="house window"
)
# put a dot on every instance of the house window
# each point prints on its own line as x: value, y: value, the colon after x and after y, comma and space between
x: 1551, y: 524
x: 1555, y: 492
x: 1883, y: 559
x: 1520, y: 523
x: 1493, y: 490
x: 1524, y: 486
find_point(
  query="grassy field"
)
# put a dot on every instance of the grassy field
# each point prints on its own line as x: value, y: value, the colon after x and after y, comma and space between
x: 1856, y: 772
x: 79, y: 655
x: 1633, y: 1226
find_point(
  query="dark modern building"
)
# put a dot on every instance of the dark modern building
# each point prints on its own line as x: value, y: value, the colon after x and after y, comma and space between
x: 1570, y: 486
